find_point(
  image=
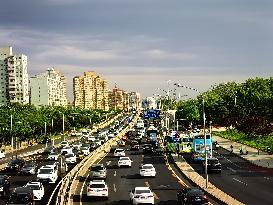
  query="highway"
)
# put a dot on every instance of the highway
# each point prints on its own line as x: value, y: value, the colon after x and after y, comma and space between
x: 121, y: 180
x: 247, y: 183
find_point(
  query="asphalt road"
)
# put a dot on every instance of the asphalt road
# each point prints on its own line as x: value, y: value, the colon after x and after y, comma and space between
x: 121, y: 180
x: 242, y: 180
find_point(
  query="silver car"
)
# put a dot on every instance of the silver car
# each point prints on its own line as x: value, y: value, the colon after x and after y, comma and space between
x: 98, y: 171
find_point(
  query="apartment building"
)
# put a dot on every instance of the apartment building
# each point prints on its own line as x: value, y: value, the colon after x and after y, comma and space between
x: 48, y: 88
x: 14, y: 87
x: 90, y: 91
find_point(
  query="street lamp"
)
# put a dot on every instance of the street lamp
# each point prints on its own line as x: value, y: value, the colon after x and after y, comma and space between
x: 204, y: 127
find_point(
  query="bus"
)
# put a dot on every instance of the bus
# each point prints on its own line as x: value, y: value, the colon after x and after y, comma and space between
x: 198, y: 146
x: 185, y: 144
x: 171, y: 142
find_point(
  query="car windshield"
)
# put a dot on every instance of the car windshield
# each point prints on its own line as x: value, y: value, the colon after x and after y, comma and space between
x: 119, y: 150
x: 53, y: 154
x: 213, y: 161
x: 195, y: 192
x: 97, y: 186
x: 45, y: 171
x: 124, y: 159
x: 29, y: 164
x: 20, y: 199
x: 96, y: 168
x: 83, y: 148
x: 1, y: 180
x: 143, y: 191
x: 69, y: 155
x: 147, y: 167
x: 33, y: 186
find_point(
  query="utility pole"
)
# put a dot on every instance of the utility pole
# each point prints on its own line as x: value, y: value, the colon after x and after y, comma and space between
x: 12, y: 140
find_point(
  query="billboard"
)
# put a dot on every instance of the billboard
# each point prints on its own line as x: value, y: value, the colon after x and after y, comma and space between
x: 151, y: 114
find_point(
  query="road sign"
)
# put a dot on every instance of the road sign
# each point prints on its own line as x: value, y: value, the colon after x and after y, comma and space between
x: 151, y: 114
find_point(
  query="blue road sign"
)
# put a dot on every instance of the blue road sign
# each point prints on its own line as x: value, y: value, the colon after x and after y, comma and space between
x: 151, y: 114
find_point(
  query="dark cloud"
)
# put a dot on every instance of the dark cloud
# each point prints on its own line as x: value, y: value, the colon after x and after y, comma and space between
x: 180, y: 39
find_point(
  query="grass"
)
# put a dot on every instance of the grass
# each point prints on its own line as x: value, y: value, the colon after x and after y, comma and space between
x: 258, y: 142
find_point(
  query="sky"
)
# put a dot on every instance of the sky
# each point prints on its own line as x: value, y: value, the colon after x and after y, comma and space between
x: 143, y: 45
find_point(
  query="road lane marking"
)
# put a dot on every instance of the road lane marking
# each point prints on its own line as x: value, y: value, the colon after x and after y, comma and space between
x: 233, y: 170
x: 115, y: 173
x: 155, y: 195
x: 147, y: 184
x: 244, y: 183
x: 108, y: 163
x: 115, y: 189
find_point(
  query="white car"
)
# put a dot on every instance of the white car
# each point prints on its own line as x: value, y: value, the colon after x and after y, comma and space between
x: 142, y: 195
x: 2, y: 154
x: 64, y: 144
x: 91, y: 138
x: 77, y: 145
x: 119, y: 152
x: 147, y: 170
x: 66, y: 150
x: 111, y: 135
x: 124, y: 161
x: 85, y: 150
x: 37, y: 188
x: 53, y: 156
x: 97, y: 188
x: 70, y: 158
x: 48, y: 173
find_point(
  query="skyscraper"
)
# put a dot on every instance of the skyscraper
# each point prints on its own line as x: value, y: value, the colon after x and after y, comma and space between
x: 48, y: 88
x: 14, y: 86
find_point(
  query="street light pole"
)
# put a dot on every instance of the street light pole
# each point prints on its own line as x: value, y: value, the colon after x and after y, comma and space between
x: 12, y: 140
x: 204, y: 128
x: 63, y: 129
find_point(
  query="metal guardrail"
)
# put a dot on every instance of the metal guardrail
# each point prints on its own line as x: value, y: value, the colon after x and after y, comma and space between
x: 89, y: 160
x: 64, y: 193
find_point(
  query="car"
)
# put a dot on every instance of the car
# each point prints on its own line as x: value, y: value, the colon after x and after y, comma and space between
x: 70, y: 158
x: 194, y: 196
x: 30, y: 167
x: 213, y: 165
x: 66, y: 150
x: 2, y: 154
x: 77, y: 145
x: 22, y: 196
x: 53, y: 156
x: 98, y: 171
x: 48, y: 173
x: 111, y: 135
x: 64, y: 144
x: 141, y: 195
x: 121, y: 143
x: 94, y: 145
x: 119, y: 153
x: 147, y: 170
x: 4, y: 185
x: 79, y: 154
x: 124, y: 162
x: 148, y: 149
x: 134, y: 145
x: 197, y: 157
x: 15, y: 164
x: 85, y: 150
x: 49, y: 150
x: 37, y: 188
x: 97, y: 188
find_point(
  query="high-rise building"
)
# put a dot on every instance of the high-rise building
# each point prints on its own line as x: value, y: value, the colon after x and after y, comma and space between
x: 134, y: 100
x: 48, y: 88
x: 90, y: 91
x: 14, y: 86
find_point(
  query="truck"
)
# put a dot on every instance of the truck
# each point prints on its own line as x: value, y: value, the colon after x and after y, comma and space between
x: 152, y: 134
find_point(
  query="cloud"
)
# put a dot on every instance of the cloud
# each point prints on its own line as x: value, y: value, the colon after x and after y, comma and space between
x: 161, y: 54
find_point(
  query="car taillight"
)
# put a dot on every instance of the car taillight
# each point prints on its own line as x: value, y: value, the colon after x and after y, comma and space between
x: 104, y: 190
x: 205, y: 197
x: 89, y: 189
x: 150, y: 196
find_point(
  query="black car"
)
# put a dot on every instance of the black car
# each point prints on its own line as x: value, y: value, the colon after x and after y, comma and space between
x: 30, y: 167
x: 4, y: 185
x: 134, y: 145
x: 148, y: 149
x: 15, y: 164
x: 49, y: 150
x: 22, y: 196
x: 193, y: 196
x: 213, y: 165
